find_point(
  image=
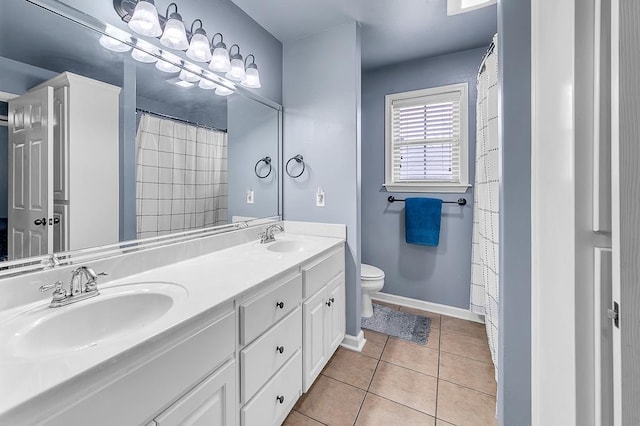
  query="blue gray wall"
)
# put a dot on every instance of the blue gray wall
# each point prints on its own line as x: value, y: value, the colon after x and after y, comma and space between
x: 514, y: 59
x: 434, y: 274
x: 321, y: 122
x: 253, y: 134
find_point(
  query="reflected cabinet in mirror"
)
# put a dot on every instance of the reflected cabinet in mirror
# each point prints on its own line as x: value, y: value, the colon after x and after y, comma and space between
x: 101, y: 142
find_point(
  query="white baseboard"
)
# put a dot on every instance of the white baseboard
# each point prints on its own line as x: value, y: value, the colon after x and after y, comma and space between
x: 429, y: 306
x: 354, y: 343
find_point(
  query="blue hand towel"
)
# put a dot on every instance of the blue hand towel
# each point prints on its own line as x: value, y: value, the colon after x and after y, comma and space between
x: 422, y: 221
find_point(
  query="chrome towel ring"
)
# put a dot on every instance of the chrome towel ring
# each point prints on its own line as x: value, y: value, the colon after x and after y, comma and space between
x: 267, y: 161
x: 298, y: 159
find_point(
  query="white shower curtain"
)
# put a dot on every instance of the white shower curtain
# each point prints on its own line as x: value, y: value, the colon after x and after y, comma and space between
x: 484, y: 259
x: 181, y: 177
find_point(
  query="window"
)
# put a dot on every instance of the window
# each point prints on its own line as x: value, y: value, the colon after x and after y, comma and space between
x: 455, y: 7
x: 426, y: 140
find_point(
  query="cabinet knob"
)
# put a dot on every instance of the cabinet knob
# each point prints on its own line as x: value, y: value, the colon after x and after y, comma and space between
x: 280, y: 305
x: 280, y: 399
x: 280, y: 349
x: 332, y: 300
x: 329, y: 303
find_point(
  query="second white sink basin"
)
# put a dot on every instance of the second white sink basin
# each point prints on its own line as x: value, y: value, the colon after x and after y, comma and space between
x: 117, y: 311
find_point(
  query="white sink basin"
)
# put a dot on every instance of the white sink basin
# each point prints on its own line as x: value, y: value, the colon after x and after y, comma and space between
x: 117, y: 312
x: 286, y: 246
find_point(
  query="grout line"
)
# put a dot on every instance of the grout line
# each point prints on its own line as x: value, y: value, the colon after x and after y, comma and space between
x: 471, y: 389
x: 309, y: 417
x: 438, y: 372
x: 372, y: 376
x: 404, y: 405
x: 490, y: 363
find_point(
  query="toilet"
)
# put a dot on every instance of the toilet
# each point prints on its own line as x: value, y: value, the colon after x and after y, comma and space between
x: 372, y: 281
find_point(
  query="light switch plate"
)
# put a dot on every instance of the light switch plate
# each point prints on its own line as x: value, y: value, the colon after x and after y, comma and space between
x: 250, y: 197
x: 320, y: 199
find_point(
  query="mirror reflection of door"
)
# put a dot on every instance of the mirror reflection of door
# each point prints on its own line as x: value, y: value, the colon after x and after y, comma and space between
x: 31, y: 177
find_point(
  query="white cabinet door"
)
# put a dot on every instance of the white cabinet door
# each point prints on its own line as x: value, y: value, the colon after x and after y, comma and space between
x: 315, y: 355
x: 335, y: 314
x: 30, y: 174
x: 211, y: 403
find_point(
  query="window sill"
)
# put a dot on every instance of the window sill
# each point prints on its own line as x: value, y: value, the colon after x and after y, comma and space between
x: 441, y: 188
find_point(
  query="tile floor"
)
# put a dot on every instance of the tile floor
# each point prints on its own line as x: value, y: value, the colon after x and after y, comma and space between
x: 450, y: 381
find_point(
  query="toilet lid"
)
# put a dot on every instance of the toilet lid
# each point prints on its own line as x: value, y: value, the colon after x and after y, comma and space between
x: 370, y: 272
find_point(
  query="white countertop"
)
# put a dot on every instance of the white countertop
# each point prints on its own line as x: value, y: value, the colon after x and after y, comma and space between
x: 207, y: 281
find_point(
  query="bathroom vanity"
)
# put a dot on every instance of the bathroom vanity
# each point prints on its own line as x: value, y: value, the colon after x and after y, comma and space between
x: 231, y: 337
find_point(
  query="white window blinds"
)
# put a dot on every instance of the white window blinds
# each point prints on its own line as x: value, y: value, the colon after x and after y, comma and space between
x: 426, y: 140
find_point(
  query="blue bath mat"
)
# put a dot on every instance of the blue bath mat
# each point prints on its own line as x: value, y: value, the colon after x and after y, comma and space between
x: 414, y: 328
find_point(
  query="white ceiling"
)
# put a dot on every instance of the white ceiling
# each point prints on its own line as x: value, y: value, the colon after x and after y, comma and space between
x: 392, y: 30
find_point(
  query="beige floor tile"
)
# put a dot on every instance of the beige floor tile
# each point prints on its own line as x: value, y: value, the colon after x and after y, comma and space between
x: 440, y: 422
x: 461, y: 344
x: 405, y: 387
x: 331, y: 402
x: 377, y: 411
x: 375, y: 343
x: 411, y: 355
x: 297, y: 419
x: 351, y: 367
x: 388, y: 305
x: 467, y: 372
x: 461, y: 326
x: 465, y: 407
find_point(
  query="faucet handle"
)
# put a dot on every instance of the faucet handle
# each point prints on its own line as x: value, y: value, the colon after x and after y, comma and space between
x: 58, y: 293
x: 92, y: 283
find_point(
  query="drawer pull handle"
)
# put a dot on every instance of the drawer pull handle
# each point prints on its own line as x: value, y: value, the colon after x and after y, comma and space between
x: 332, y: 300
x: 280, y: 349
x: 280, y: 399
x: 329, y: 303
x: 280, y: 305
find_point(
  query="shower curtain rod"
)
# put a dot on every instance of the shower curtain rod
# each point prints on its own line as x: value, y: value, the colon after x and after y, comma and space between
x: 181, y: 120
x: 485, y: 56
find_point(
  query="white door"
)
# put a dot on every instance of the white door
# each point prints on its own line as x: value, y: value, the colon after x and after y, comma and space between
x: 335, y: 308
x: 314, y: 348
x: 30, y: 174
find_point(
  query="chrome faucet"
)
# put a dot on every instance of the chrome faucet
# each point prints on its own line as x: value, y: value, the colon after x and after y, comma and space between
x: 267, y: 235
x: 76, y: 292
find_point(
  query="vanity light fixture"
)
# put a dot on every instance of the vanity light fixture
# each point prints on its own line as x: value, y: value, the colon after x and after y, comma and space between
x: 223, y: 91
x: 220, y: 58
x: 166, y: 64
x: 109, y: 40
x: 252, y: 76
x: 199, y: 48
x: 237, y: 65
x: 206, y: 83
x: 174, y: 35
x: 145, y: 19
x: 140, y: 54
x: 190, y: 74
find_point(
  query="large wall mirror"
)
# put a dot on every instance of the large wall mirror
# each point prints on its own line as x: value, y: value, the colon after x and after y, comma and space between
x: 98, y: 148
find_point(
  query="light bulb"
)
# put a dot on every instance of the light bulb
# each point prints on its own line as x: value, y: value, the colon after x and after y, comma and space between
x: 166, y: 63
x: 145, y: 19
x: 220, y: 59
x: 252, y: 77
x: 141, y: 52
x: 111, y: 40
x: 207, y: 84
x: 190, y: 74
x: 223, y: 91
x: 199, y: 48
x: 237, y: 69
x: 175, y: 35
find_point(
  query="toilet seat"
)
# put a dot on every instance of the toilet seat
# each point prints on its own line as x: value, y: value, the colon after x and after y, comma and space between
x: 369, y: 272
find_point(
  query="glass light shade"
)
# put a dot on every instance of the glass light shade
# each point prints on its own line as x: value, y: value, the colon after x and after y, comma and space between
x: 237, y: 70
x: 174, y: 36
x: 220, y: 60
x: 145, y: 19
x: 199, y: 48
x: 166, y: 65
x: 223, y: 91
x: 252, y: 77
x: 189, y: 76
x: 114, y: 44
x: 140, y: 52
x: 207, y: 85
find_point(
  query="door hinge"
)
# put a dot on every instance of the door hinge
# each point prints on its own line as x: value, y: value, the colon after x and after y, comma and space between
x: 614, y: 314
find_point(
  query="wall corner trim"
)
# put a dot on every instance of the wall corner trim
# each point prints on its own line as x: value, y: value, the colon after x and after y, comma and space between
x: 354, y: 343
x: 430, y: 307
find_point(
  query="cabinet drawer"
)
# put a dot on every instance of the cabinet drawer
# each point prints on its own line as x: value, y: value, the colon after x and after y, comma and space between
x: 212, y: 402
x: 263, y: 357
x: 266, y: 408
x: 316, y: 276
x: 261, y: 313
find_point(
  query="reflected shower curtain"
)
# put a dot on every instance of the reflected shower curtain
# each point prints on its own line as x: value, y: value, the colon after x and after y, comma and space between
x: 181, y: 177
x: 484, y: 258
